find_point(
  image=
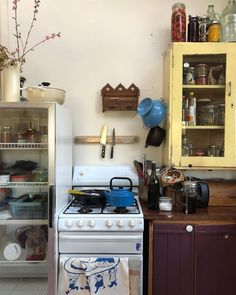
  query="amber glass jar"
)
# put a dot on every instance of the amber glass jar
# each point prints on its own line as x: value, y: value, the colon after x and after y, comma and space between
x: 178, y: 23
x: 214, y: 32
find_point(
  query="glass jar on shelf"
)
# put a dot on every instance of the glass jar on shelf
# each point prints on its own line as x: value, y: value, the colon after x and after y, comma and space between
x: 186, y: 147
x: 7, y: 134
x: 193, y: 28
x: 202, y: 111
x: 214, y: 32
x: 178, y: 23
x: 221, y: 114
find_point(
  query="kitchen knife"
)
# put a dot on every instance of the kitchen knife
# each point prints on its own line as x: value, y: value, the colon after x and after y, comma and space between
x: 113, y: 142
x: 103, y: 140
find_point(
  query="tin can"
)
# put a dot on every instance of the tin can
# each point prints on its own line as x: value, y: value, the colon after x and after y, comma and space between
x: 214, y: 32
x: 190, y: 76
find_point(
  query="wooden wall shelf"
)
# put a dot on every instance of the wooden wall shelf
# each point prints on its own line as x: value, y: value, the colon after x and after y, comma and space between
x: 96, y: 139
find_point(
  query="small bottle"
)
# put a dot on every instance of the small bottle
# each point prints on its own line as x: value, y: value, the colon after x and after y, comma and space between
x: 193, y: 29
x: 212, y: 15
x: 186, y: 148
x: 153, y: 189
x: 178, y: 23
x: 191, y: 111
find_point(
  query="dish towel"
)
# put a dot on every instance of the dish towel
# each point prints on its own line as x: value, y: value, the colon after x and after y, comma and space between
x: 93, y: 276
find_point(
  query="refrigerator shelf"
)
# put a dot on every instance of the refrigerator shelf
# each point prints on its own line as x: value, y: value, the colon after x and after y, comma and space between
x: 27, y: 145
x: 23, y: 184
x: 24, y: 221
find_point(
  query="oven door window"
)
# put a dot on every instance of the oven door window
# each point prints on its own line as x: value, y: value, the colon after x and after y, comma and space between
x: 109, y: 274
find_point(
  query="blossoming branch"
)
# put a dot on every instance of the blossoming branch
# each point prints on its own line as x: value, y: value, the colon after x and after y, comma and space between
x: 22, y: 46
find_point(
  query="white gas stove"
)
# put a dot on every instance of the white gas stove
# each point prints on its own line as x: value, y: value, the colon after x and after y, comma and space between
x: 91, y: 229
x: 99, y: 216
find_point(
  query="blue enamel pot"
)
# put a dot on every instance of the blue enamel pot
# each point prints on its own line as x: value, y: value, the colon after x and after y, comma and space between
x: 152, y: 111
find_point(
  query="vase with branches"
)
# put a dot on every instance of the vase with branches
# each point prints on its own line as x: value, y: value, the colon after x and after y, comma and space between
x: 18, y: 56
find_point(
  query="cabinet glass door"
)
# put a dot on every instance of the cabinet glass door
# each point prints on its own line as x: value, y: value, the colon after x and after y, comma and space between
x: 203, y: 82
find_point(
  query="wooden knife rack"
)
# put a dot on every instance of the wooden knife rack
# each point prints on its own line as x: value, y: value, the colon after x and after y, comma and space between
x: 129, y: 139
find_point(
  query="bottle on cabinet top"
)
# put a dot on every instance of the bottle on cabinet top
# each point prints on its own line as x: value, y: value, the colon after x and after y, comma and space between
x: 153, y: 189
x: 193, y: 28
x: 178, y: 23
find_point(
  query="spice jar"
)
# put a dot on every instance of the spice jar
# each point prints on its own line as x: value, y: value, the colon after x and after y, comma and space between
x: 193, y: 28
x: 165, y: 203
x: 214, y: 32
x: 178, y: 23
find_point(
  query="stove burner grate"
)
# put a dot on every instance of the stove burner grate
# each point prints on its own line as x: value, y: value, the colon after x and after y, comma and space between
x: 121, y: 210
x: 85, y: 210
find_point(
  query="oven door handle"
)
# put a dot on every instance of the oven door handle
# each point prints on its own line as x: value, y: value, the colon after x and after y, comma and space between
x: 98, y: 237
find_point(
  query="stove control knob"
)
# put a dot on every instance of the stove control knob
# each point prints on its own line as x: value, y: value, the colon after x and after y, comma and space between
x: 92, y: 223
x: 68, y: 223
x: 109, y: 223
x: 80, y: 223
x: 132, y: 223
x: 120, y: 223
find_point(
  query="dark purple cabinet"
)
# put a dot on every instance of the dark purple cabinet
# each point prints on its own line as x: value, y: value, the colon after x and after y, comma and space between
x: 215, y: 259
x: 194, y: 260
x: 173, y: 260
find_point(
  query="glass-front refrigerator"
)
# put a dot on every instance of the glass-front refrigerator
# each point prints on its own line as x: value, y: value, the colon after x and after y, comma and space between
x: 35, y: 175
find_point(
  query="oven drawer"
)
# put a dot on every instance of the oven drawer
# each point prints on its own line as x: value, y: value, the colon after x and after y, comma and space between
x: 135, y: 268
x: 100, y: 242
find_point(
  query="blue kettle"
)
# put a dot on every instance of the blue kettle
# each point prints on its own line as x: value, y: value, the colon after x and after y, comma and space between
x: 120, y: 197
x: 152, y: 111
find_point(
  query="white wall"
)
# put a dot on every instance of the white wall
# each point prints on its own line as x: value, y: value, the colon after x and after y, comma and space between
x: 103, y: 41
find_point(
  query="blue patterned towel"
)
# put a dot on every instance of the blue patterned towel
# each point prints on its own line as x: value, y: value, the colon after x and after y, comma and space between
x: 93, y: 276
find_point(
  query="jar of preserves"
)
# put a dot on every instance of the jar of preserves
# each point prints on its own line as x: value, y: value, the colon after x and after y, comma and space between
x: 178, y: 23
x: 201, y: 80
x: 193, y: 28
x: 214, y: 32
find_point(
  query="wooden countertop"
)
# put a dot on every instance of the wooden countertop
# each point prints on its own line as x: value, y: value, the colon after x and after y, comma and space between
x: 211, y: 214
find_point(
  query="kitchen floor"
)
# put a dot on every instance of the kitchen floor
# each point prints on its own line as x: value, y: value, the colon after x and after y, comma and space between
x: 23, y: 286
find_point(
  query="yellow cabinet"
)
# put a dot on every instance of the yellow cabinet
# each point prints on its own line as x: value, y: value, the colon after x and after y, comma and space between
x: 200, y: 90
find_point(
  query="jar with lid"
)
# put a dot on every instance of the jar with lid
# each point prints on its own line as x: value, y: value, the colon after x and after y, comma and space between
x: 186, y: 147
x: 7, y: 135
x: 189, y: 197
x: 165, y: 204
x: 228, y: 22
x: 178, y: 23
x: 214, y: 32
x: 193, y: 28
x: 203, y: 28
x: 202, y: 111
x: 213, y: 151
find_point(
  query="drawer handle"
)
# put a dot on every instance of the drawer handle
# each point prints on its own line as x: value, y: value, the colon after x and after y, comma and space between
x: 189, y: 228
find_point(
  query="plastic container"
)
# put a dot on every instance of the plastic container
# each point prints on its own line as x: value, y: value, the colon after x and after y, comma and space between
x: 11, y: 250
x: 165, y: 204
x: 228, y: 22
x: 36, y: 245
x: 29, y: 206
x: 178, y: 23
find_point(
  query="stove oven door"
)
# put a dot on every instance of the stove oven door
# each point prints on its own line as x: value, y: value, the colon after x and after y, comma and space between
x: 69, y: 280
x: 99, y: 245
